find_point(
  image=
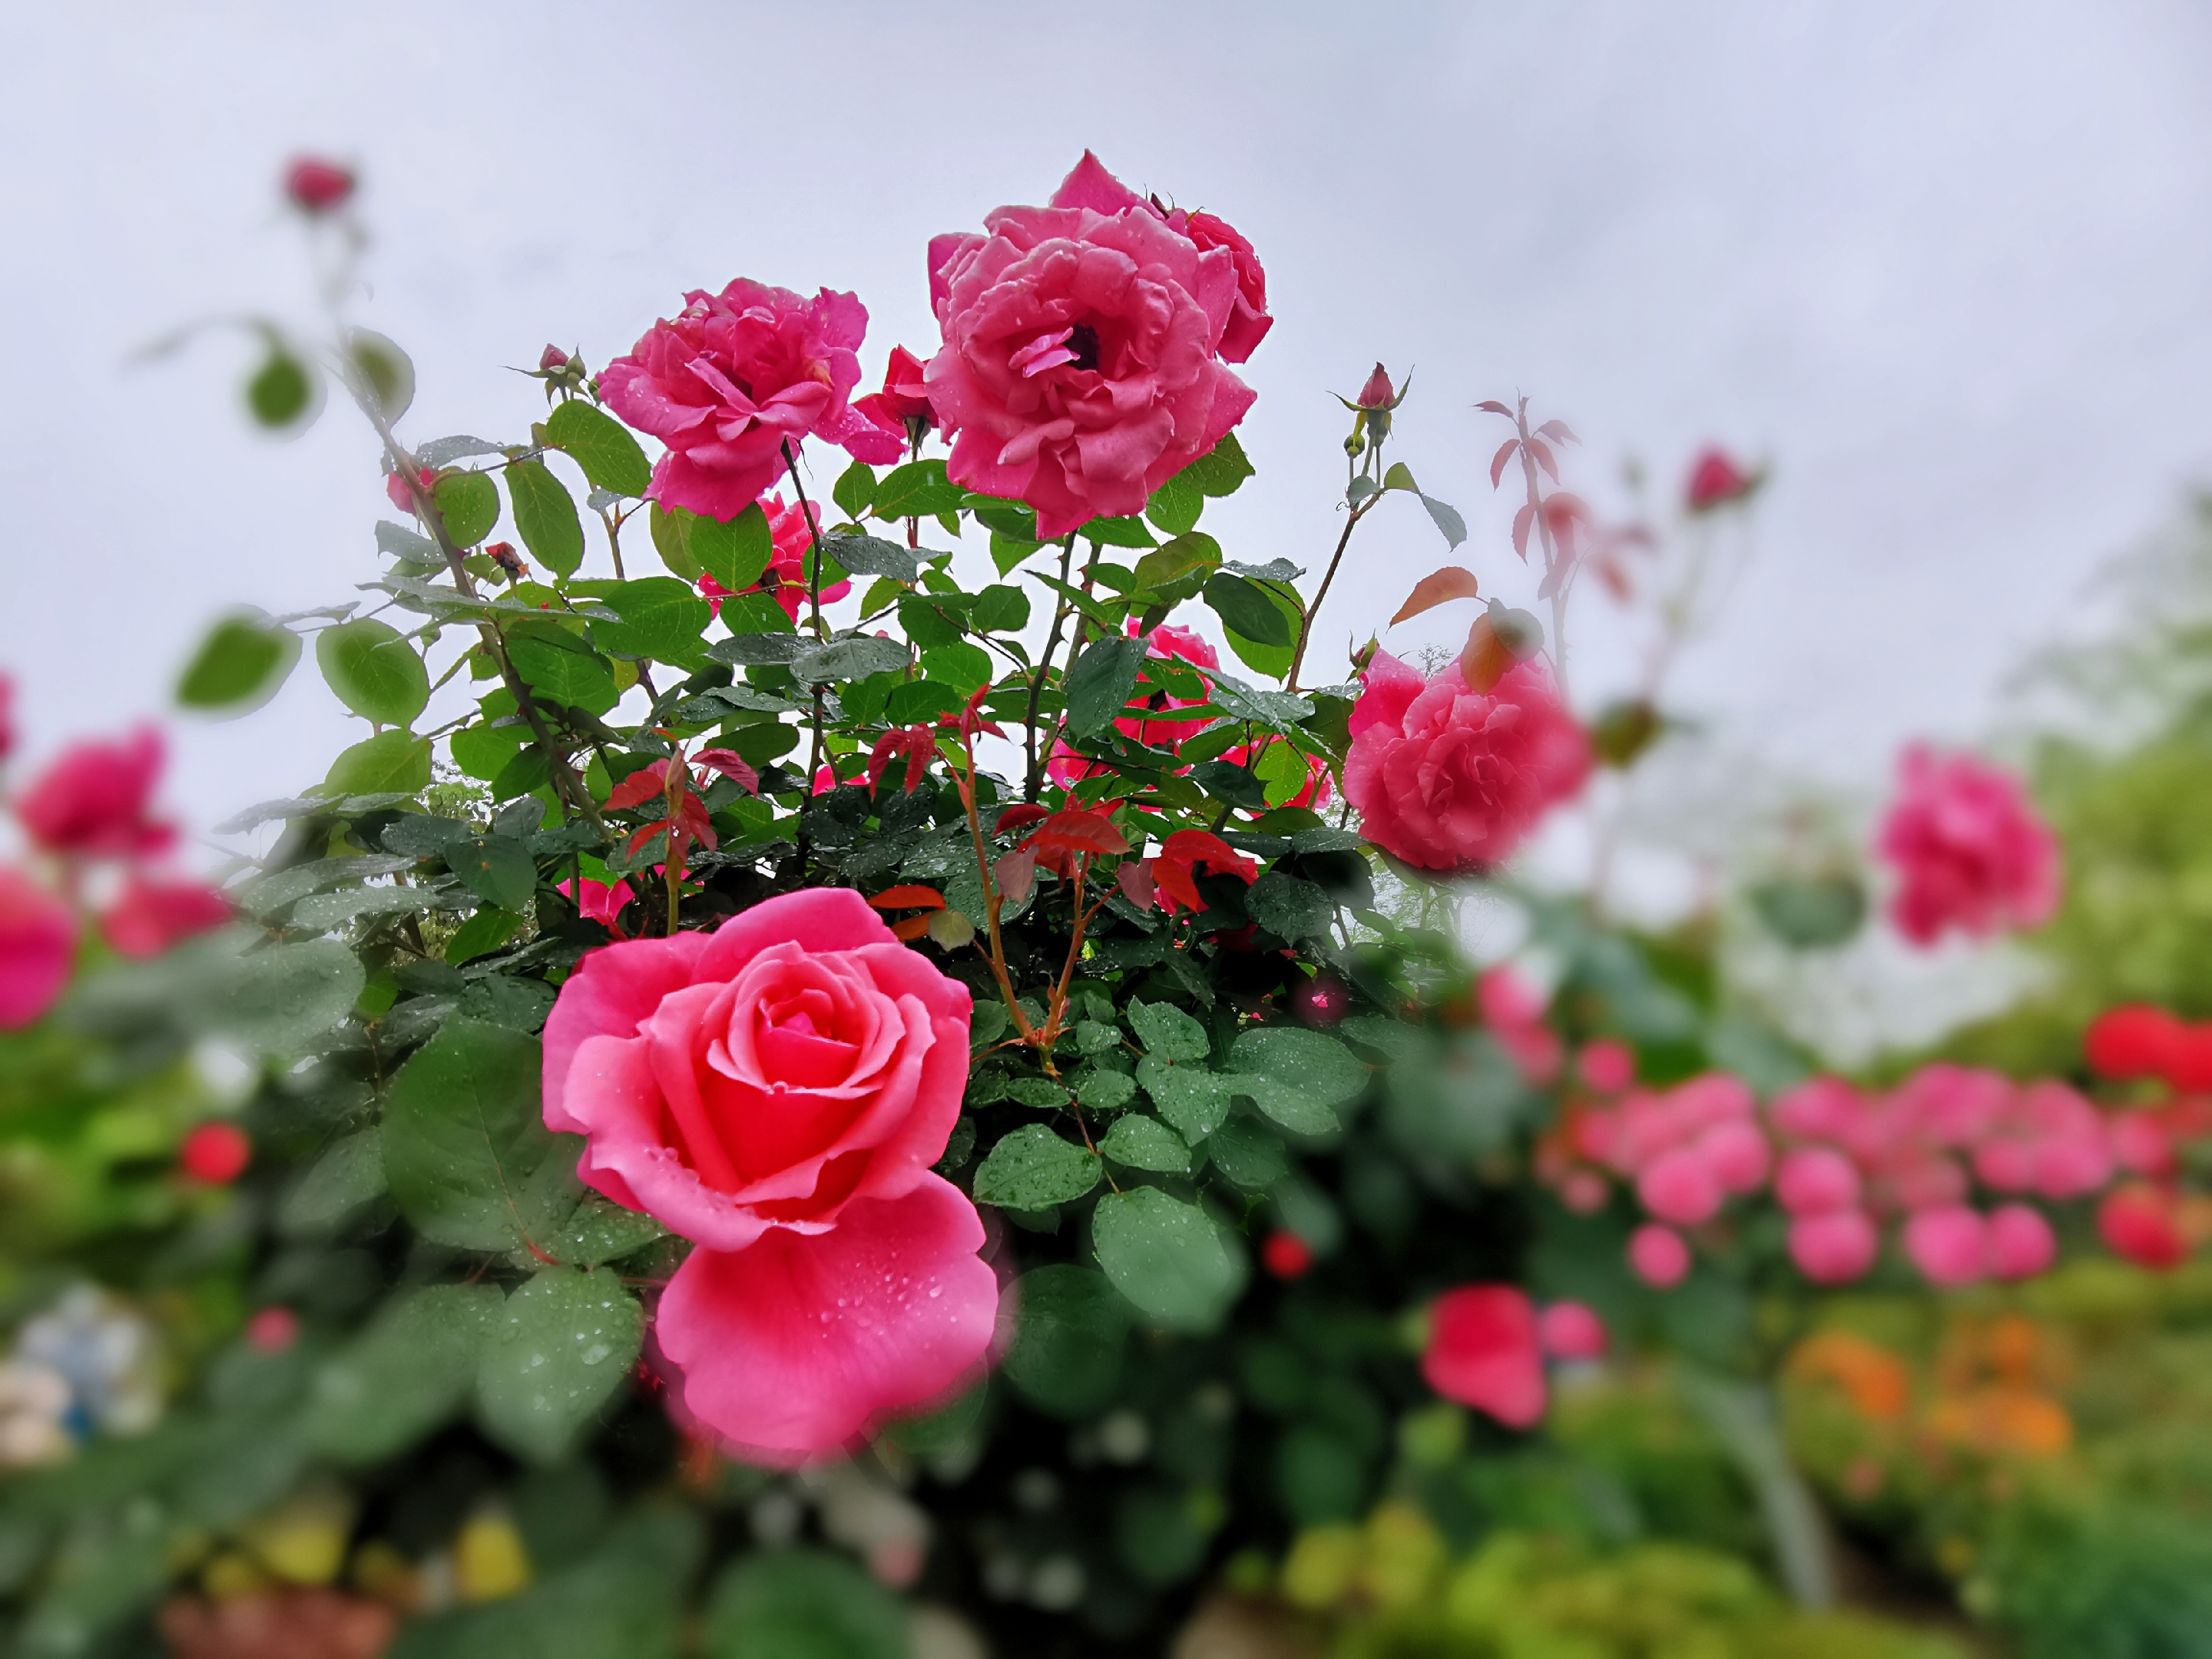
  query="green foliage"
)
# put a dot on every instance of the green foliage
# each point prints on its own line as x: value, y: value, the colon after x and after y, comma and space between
x: 243, y: 662
x: 375, y: 671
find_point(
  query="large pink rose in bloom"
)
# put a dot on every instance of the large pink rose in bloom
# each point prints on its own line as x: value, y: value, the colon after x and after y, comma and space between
x: 1448, y: 778
x: 1081, y: 368
x: 93, y: 802
x: 777, y: 1091
x: 736, y: 377
x: 1969, y: 850
x: 1091, y: 186
x: 37, y: 943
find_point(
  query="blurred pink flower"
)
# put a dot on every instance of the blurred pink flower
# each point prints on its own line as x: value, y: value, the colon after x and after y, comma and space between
x: 1571, y: 1330
x: 1950, y: 1244
x: 1446, y: 778
x: 37, y: 946
x: 1679, y: 1188
x: 1970, y: 852
x: 92, y: 803
x: 149, y: 916
x: 1658, y: 1255
x: 1834, y: 1247
x: 1815, y: 1179
x: 316, y: 185
x: 1483, y: 1351
x: 2021, y: 1242
x: 1717, y: 480
x: 735, y: 378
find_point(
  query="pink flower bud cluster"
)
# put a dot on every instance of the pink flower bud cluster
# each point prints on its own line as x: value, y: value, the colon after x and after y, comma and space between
x: 1955, y: 1160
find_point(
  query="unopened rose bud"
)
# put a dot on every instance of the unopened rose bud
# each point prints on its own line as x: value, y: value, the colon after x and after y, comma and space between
x: 552, y: 358
x: 315, y: 186
x: 1364, y: 654
x: 1378, y: 393
x: 504, y: 554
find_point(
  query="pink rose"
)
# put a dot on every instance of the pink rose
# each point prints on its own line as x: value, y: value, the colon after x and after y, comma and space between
x: 600, y: 901
x: 1607, y: 1066
x: 903, y: 406
x: 1834, y: 1247
x: 1680, y: 1187
x: 1081, y: 367
x: 1148, y: 725
x: 1950, y: 1244
x: 1737, y: 1154
x: 1483, y: 1351
x: 777, y: 1091
x: 1717, y: 480
x: 1447, y: 778
x: 2021, y: 1242
x: 1658, y: 1255
x: 38, y: 944
x: 92, y: 802
x: 1815, y: 1179
x: 1089, y: 186
x: 1571, y: 1330
x: 316, y: 185
x: 149, y: 916
x: 735, y: 378
x: 1969, y: 850
x: 6, y: 717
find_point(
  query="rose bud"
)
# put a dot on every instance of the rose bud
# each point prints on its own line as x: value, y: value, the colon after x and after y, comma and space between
x: 315, y: 186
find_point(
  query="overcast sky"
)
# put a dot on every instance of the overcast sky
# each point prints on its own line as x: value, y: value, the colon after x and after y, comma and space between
x: 1945, y: 268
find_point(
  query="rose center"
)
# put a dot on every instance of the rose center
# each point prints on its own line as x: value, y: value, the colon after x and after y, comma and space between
x: 1083, y: 342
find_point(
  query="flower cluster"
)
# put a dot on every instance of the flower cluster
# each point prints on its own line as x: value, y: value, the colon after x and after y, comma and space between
x: 1969, y: 852
x: 89, y: 817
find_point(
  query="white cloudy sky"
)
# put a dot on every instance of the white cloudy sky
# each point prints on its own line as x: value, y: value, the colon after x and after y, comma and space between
x: 1945, y: 267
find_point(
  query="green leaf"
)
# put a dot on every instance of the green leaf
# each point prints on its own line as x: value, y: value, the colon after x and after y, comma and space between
x: 497, y: 869
x: 336, y: 1188
x: 601, y: 1232
x: 1189, y: 1097
x: 286, y: 390
x: 1033, y: 1168
x: 1176, y: 505
x: 551, y: 1359
x: 1247, y: 1155
x: 1012, y: 520
x: 1105, y: 1090
x: 1245, y: 609
x: 468, y: 506
x: 735, y: 554
x: 1177, y: 559
x: 663, y: 620
x: 1066, y: 1356
x: 1126, y: 532
x: 847, y: 660
x: 1447, y: 520
x: 243, y: 662
x: 1000, y: 610
x: 402, y: 1377
x: 854, y: 489
x: 545, y: 516
x: 557, y: 675
x: 386, y: 372
x: 1290, y: 907
x: 1227, y: 780
x: 470, y: 1161
x: 1099, y: 683
x: 1294, y: 1076
x: 1400, y: 477
x: 1167, y: 1031
x: 390, y: 762
x: 481, y: 935
x: 375, y: 671
x: 919, y: 489
x: 326, y: 912
x: 1220, y: 470
x: 803, y: 1604
x: 872, y: 555
x: 1143, y: 1143
x: 600, y: 445
x: 1171, y: 1259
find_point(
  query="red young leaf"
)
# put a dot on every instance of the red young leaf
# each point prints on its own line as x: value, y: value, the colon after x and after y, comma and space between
x: 1192, y: 847
x: 1016, y: 874
x: 1492, y: 406
x: 1078, y: 831
x: 646, y: 783
x: 917, y: 742
x: 1557, y: 432
x: 913, y: 897
x: 1521, y: 522
x: 970, y: 719
x: 1019, y: 814
x: 1136, y: 882
x: 1438, y: 588
x: 645, y: 835
x: 911, y: 929
x: 1504, y: 454
x: 691, y: 822
x: 1173, y: 888
x: 1484, y: 660
x: 1542, y: 452
x: 730, y: 764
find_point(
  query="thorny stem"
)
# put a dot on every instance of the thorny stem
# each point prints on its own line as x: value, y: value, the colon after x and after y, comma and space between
x: 1305, y: 627
x: 991, y: 897
x: 1553, y: 576
x: 1035, y: 783
x: 679, y: 776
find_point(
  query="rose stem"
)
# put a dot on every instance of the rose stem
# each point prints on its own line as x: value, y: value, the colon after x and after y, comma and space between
x: 1036, y: 780
x: 997, y: 952
x: 1305, y: 628
x: 1551, y: 573
x: 814, y: 615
